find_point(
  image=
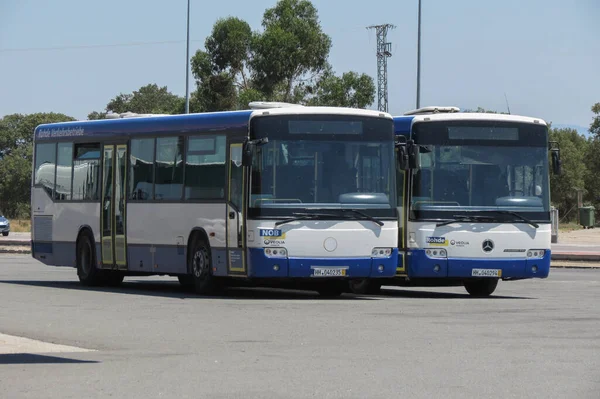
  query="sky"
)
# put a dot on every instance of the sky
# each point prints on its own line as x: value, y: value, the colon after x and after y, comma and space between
x: 73, y: 56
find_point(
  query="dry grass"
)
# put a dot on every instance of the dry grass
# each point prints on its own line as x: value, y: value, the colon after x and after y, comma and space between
x: 567, y: 227
x: 20, y: 225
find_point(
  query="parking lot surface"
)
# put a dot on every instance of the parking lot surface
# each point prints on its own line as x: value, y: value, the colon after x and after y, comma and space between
x: 150, y: 339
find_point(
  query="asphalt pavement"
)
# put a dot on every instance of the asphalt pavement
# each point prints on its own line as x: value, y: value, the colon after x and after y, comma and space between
x: 149, y: 339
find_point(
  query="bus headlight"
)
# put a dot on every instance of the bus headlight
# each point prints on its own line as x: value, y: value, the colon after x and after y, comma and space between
x: 536, y: 253
x: 436, y: 253
x: 381, y: 252
x: 275, y: 252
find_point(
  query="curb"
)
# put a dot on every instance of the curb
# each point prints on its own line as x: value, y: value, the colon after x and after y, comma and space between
x: 14, y: 251
x: 583, y: 257
x: 20, y: 243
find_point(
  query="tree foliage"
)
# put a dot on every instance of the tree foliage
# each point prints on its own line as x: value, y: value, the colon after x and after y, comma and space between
x: 595, y: 125
x: 16, y: 138
x: 286, y: 61
x: 149, y: 99
x: 573, y: 148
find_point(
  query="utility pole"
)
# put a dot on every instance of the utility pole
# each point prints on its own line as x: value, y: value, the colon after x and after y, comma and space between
x: 384, y: 50
x: 187, y: 63
x: 419, y: 59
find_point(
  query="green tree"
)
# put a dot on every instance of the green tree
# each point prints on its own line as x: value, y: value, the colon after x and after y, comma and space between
x: 349, y: 90
x: 595, y: 125
x: 287, y: 61
x: 16, y: 138
x: 484, y: 111
x: 291, y: 46
x: 573, y: 148
x: 149, y: 99
x: 592, y: 160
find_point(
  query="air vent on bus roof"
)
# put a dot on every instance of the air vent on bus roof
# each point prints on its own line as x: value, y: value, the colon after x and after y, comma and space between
x: 271, y: 104
x: 433, y: 110
x: 130, y: 115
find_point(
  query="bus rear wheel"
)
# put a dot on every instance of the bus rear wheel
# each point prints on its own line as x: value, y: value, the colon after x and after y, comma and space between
x: 481, y: 288
x: 200, y: 267
x: 87, y: 271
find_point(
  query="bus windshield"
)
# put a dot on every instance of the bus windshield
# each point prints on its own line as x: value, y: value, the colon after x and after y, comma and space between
x: 479, y: 167
x: 314, y: 161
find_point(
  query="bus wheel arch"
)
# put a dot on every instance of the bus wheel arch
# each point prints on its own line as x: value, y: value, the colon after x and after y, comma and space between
x: 481, y: 287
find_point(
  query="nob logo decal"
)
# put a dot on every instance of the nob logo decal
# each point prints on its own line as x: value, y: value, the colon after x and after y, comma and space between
x: 439, y: 241
x: 274, y: 233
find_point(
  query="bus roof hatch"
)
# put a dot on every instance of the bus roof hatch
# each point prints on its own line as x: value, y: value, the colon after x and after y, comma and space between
x: 433, y: 110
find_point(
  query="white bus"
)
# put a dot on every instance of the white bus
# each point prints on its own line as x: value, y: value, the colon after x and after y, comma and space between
x: 293, y: 196
x: 475, y: 205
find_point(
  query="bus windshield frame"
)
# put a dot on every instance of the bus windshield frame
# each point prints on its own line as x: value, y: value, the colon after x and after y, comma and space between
x: 322, y: 161
x: 480, y: 167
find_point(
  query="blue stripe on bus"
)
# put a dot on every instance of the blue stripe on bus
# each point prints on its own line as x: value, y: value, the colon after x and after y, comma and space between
x: 42, y: 247
x: 261, y: 266
x: 176, y: 124
x: 420, y: 265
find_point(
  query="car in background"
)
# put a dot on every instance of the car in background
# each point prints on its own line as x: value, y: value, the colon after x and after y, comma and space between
x: 4, y: 225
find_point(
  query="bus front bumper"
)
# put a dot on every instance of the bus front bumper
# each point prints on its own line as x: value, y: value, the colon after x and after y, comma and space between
x: 261, y: 266
x: 422, y: 266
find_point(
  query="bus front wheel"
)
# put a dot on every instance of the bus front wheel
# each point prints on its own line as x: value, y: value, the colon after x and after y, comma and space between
x: 481, y: 288
x: 200, y: 267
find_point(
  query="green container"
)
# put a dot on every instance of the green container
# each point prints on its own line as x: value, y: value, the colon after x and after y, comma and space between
x: 587, y: 216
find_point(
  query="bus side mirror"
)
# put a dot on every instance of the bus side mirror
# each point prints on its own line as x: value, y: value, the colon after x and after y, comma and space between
x: 413, y: 155
x: 401, y: 156
x: 556, y: 162
x: 247, y: 151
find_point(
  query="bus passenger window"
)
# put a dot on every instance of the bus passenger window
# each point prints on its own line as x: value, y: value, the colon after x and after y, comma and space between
x: 62, y: 190
x: 45, y: 162
x: 86, y: 172
x: 168, y: 168
x: 205, y: 168
x: 141, y: 169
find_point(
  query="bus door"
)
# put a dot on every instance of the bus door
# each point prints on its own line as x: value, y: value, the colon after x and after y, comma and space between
x: 236, y: 255
x: 113, y: 218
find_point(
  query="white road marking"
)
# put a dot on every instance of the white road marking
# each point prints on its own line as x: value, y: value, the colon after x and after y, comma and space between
x: 11, y: 344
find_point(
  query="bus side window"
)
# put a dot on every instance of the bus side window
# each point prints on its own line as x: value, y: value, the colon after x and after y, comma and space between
x: 86, y: 172
x: 45, y: 163
x: 141, y: 169
x: 64, y: 170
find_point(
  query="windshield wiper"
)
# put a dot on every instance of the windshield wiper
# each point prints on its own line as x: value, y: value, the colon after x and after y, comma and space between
x: 317, y: 216
x: 467, y: 218
x: 304, y: 216
x: 519, y: 217
x: 364, y: 215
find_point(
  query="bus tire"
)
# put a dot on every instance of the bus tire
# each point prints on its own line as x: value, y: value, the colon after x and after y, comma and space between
x: 89, y: 275
x: 113, y: 278
x: 365, y: 287
x: 481, y: 288
x: 186, y: 281
x: 200, y: 267
x: 332, y: 290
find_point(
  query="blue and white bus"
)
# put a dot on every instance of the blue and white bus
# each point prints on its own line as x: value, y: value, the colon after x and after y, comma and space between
x: 474, y: 203
x: 303, y: 196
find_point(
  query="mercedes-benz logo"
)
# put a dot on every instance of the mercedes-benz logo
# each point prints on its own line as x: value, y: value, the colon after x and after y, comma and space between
x: 488, y: 246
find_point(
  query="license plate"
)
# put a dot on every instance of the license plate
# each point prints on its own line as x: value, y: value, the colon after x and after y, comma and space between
x: 486, y: 273
x: 329, y: 271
